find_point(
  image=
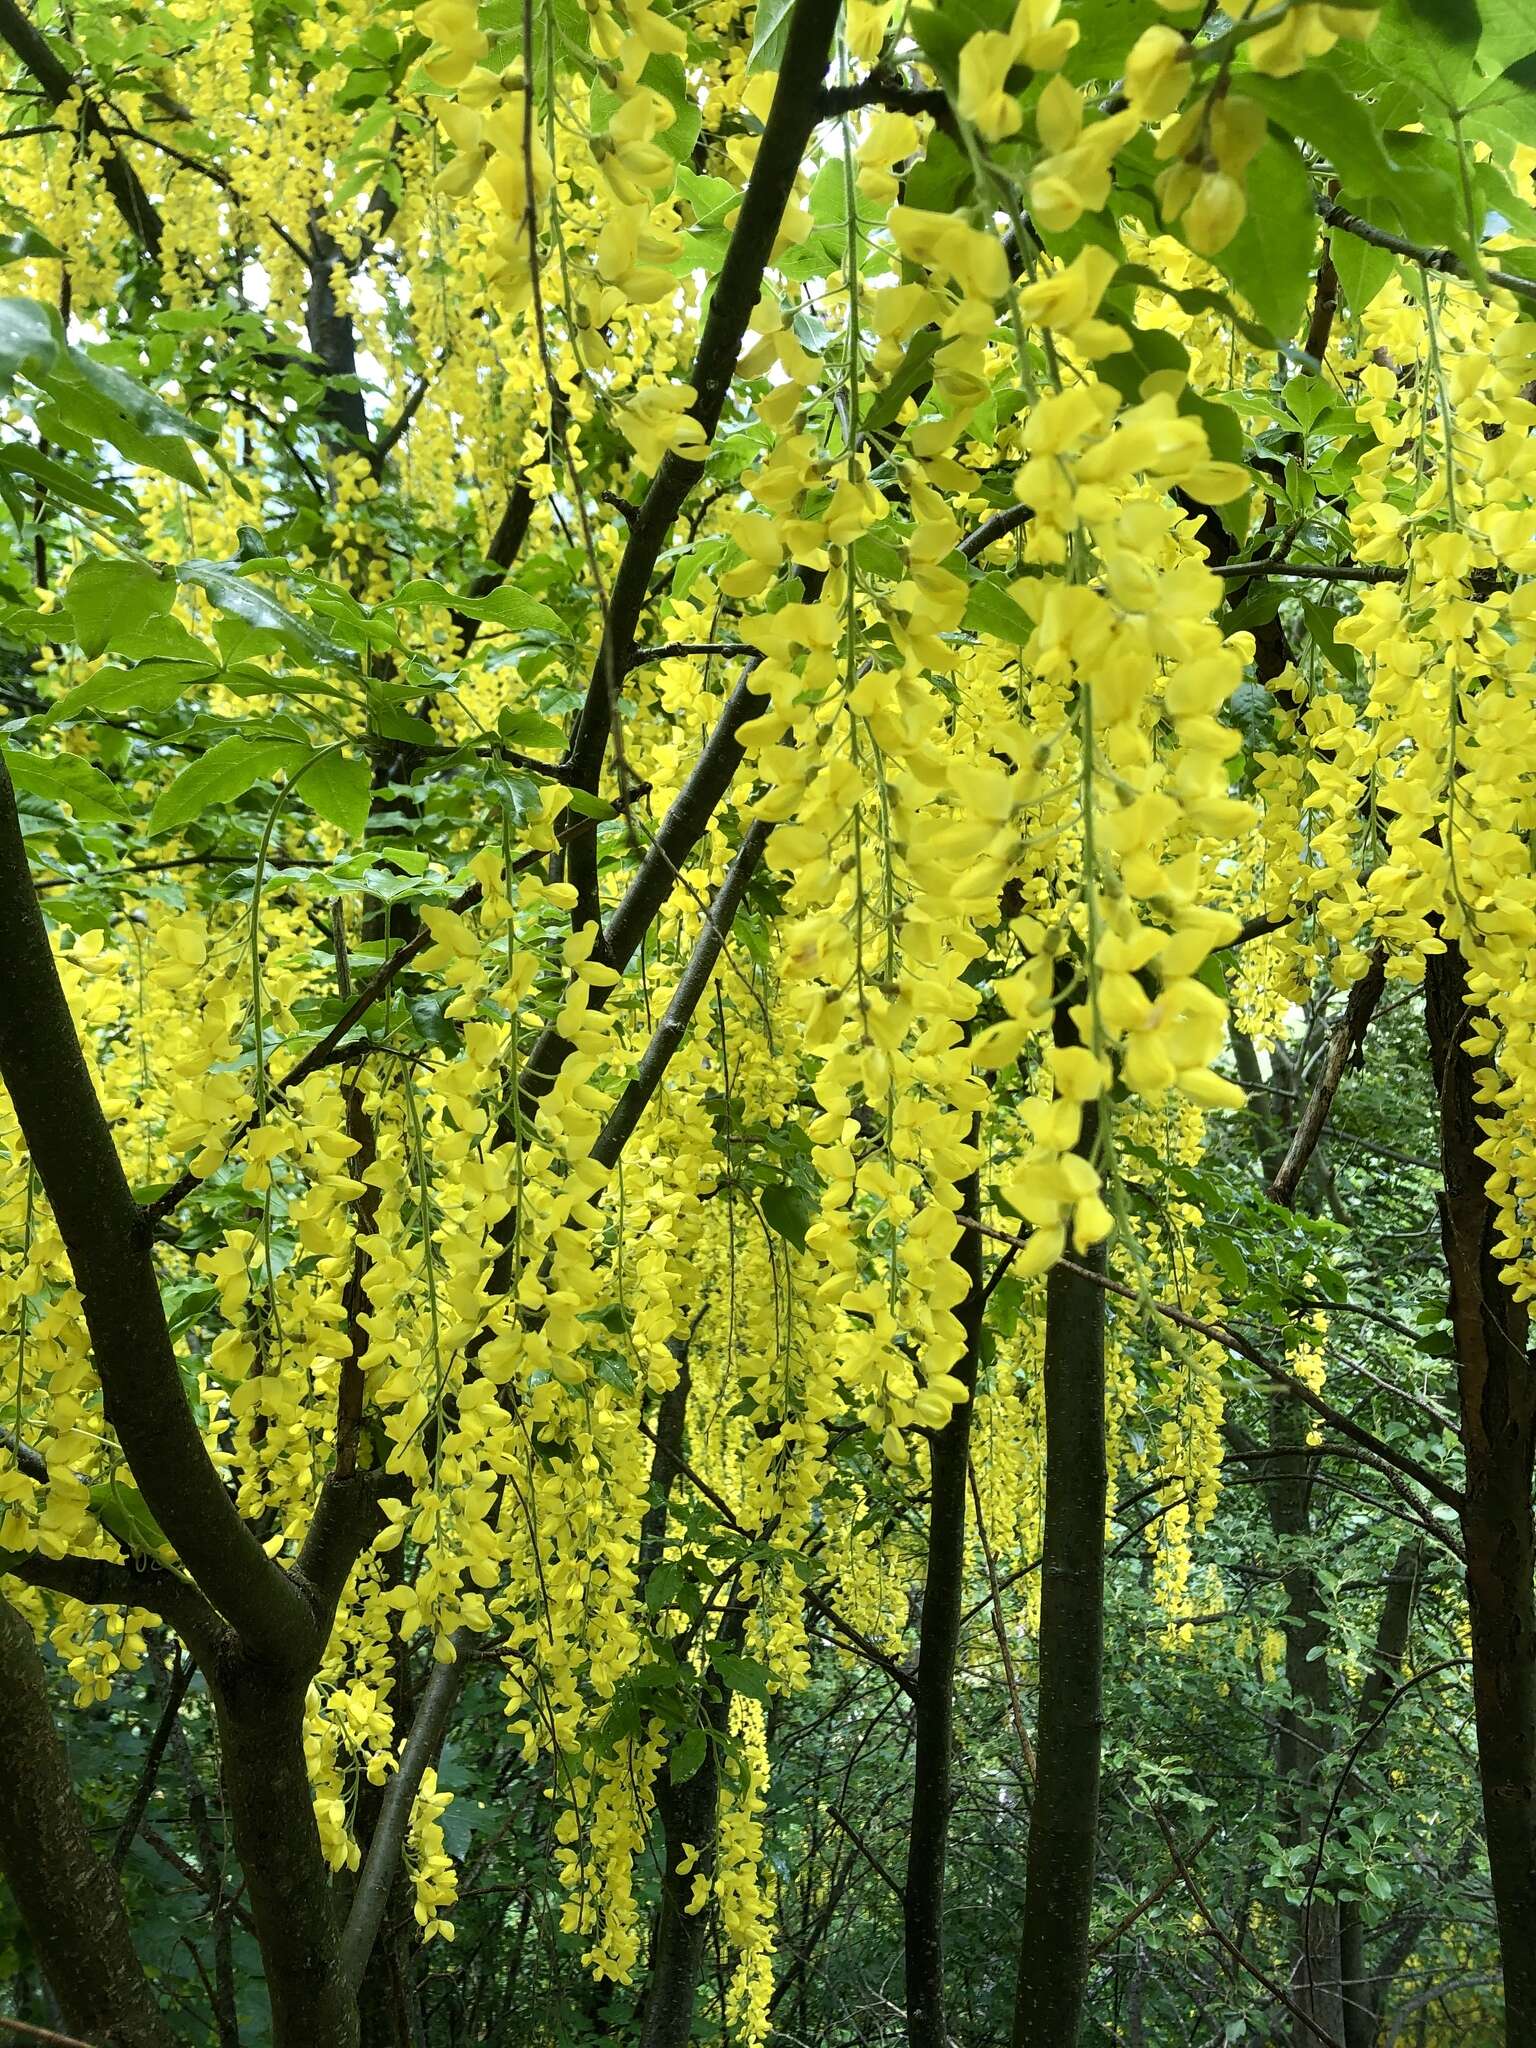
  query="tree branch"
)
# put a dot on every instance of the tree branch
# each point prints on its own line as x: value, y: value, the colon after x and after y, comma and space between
x: 1343, y: 1046
x: 1443, y: 260
x: 1223, y: 1333
x: 791, y: 118
x: 110, y: 1251
x: 433, y: 1713
x: 58, y: 83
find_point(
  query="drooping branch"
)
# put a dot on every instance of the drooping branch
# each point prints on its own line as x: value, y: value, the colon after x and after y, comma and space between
x: 506, y: 545
x: 1064, y: 1819
x: 100, y: 1582
x: 693, y: 981
x: 110, y: 1251
x: 1222, y: 1333
x: 1343, y: 1046
x: 138, y: 1806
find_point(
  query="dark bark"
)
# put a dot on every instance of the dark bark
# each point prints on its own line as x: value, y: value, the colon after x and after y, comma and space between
x: 938, y: 1644
x: 506, y: 545
x: 688, y: 1814
x: 333, y: 341
x: 138, y: 1806
x: 791, y: 117
x: 58, y: 83
x: 433, y: 1713
x: 1497, y: 1391
x: 110, y: 1253
x: 68, y: 1896
x: 268, y: 1802
x: 1363, y: 1994
x: 1063, y: 1822
x: 1305, y: 1735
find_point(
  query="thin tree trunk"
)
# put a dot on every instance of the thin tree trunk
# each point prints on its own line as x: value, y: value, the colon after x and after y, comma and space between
x: 1064, y: 1820
x: 938, y: 1642
x: 1497, y: 1389
x: 688, y: 1817
x: 1362, y: 2003
x: 688, y: 1812
x: 68, y: 1897
x: 1306, y: 1735
x: 1306, y: 1731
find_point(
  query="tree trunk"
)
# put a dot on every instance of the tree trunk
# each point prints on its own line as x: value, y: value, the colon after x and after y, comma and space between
x: 1497, y: 1390
x: 1362, y: 1995
x: 1064, y: 1821
x: 688, y: 1815
x: 938, y: 1641
x: 1306, y: 1734
x: 68, y: 1897
x: 688, y: 1812
x: 271, y: 1811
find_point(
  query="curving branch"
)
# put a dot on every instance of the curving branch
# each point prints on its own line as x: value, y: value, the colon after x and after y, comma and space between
x: 110, y: 1247
x: 58, y: 82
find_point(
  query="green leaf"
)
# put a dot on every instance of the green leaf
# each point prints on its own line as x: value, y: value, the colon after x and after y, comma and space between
x: 1363, y: 268
x: 1314, y: 107
x: 1269, y: 259
x: 147, y: 686
x: 663, y: 1585
x: 221, y: 775
x: 63, y: 779
x: 688, y: 1753
x: 1508, y: 34
x: 788, y: 1211
x: 506, y: 606
x: 247, y: 601
x: 1506, y: 110
x: 340, y: 788
x: 120, y: 1510
x: 110, y: 406
x: 25, y: 246
x: 108, y: 599
x: 523, y: 729
x: 60, y: 481
x: 740, y: 1674
x: 1107, y: 31
x: 770, y: 32
x: 586, y: 805
x: 1433, y: 44
x: 991, y: 611
x: 30, y: 339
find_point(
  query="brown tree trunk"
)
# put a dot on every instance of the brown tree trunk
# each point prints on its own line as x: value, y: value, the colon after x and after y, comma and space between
x: 939, y: 1640
x: 271, y: 1812
x: 68, y: 1897
x: 1497, y: 1389
x: 1306, y: 1736
x: 1064, y: 1820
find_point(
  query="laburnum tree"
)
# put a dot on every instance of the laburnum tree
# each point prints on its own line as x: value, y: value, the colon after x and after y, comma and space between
x: 768, y: 1023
